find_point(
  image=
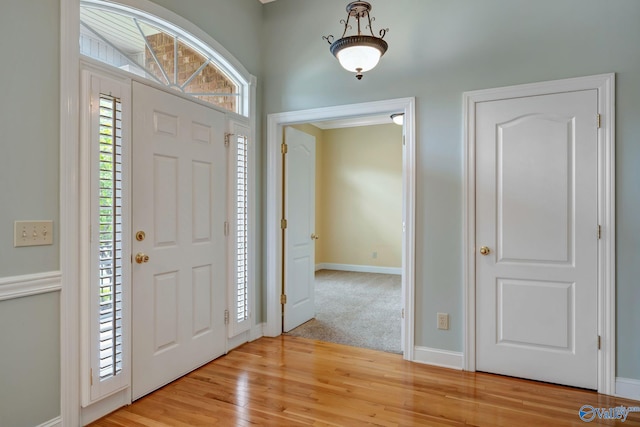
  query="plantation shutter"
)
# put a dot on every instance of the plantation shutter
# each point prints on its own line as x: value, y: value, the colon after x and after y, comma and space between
x: 240, y: 313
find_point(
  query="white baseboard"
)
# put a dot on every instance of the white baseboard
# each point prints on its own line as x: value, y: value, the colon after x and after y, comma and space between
x: 30, y: 284
x: 628, y: 388
x: 359, y: 268
x: 257, y: 331
x: 437, y: 357
x: 105, y: 406
x: 56, y: 422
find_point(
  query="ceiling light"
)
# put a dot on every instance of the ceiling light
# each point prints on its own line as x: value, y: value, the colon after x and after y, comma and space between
x: 360, y: 52
x: 398, y: 118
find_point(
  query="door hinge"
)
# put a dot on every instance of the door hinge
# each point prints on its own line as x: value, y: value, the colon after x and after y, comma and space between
x: 283, y: 299
x: 226, y: 228
x: 226, y: 317
x: 599, y: 342
x: 284, y: 148
x: 227, y: 139
x: 283, y: 223
x: 91, y: 376
x: 403, y: 313
x: 599, y: 232
x: 599, y: 121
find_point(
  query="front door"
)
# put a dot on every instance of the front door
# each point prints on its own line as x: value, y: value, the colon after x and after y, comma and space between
x: 536, y: 238
x: 179, y: 266
x: 299, y: 241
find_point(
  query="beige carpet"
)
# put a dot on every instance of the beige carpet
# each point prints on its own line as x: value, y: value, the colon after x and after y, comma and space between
x: 357, y: 309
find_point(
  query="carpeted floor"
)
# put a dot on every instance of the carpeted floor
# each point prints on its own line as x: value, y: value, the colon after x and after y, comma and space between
x: 357, y: 309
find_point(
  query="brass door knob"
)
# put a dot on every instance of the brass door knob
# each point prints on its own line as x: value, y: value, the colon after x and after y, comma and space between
x: 484, y: 250
x: 141, y: 258
x: 314, y: 236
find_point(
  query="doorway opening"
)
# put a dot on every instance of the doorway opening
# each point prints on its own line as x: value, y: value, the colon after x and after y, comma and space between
x: 275, y: 193
x: 355, y: 196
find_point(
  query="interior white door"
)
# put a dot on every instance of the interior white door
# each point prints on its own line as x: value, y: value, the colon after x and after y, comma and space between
x: 179, y: 202
x: 299, y: 244
x: 536, y: 201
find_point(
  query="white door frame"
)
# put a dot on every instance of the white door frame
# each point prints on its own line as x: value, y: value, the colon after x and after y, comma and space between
x: 605, y: 85
x: 275, y: 125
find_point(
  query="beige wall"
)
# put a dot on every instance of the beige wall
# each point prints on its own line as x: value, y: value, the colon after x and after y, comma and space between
x: 359, y: 195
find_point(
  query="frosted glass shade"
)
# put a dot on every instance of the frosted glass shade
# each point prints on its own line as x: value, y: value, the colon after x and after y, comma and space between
x: 358, y: 58
x: 359, y: 53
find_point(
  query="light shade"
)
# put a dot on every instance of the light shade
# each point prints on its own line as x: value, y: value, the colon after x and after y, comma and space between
x: 398, y: 118
x: 359, y: 53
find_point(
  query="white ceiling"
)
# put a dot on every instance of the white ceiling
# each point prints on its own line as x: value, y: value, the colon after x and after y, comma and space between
x: 353, y: 121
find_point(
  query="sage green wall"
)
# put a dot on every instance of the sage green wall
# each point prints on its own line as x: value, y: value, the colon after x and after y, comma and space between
x: 30, y: 360
x: 437, y: 50
x: 29, y: 146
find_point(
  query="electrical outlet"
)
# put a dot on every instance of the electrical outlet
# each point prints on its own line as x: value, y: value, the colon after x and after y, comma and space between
x: 374, y: 255
x: 443, y: 321
x: 32, y: 233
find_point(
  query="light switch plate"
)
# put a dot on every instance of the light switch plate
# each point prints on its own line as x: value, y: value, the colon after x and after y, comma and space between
x: 32, y: 233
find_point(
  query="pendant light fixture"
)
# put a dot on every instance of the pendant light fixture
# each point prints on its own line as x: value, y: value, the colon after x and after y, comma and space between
x: 361, y: 52
x: 398, y: 118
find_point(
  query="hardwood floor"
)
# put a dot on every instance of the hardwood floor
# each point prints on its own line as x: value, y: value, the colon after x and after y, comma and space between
x: 291, y: 381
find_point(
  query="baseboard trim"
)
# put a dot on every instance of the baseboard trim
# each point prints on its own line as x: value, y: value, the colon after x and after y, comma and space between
x: 56, y: 422
x: 105, y: 406
x: 437, y: 357
x: 30, y: 284
x: 628, y: 388
x: 256, y: 332
x: 359, y: 268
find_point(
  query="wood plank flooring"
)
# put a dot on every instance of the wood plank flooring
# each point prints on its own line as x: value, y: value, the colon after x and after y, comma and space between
x: 292, y: 381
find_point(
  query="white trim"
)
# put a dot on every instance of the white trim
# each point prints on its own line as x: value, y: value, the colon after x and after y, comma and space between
x: 384, y: 119
x: 103, y: 407
x: 275, y: 124
x: 30, y: 284
x: 359, y: 268
x: 604, y: 84
x: 55, y: 422
x: 256, y: 332
x: 69, y: 207
x: 628, y: 388
x: 437, y: 357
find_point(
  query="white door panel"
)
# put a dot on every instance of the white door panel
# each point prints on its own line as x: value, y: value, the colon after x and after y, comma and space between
x: 299, y: 247
x: 179, y: 201
x: 536, y: 201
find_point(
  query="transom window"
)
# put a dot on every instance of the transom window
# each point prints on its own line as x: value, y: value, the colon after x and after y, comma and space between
x: 144, y: 45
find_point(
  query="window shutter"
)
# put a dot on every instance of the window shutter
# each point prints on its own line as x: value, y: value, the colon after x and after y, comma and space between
x: 240, y: 313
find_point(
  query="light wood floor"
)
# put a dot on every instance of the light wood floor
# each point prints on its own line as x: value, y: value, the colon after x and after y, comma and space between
x: 291, y: 381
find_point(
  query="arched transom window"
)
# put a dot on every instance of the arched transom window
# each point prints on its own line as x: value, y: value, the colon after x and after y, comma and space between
x: 156, y: 50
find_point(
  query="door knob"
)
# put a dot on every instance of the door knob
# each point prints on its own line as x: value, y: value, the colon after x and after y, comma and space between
x: 314, y: 236
x: 484, y: 250
x: 141, y: 258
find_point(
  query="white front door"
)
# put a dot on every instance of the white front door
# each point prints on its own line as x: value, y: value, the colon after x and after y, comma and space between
x: 299, y: 244
x: 536, y: 201
x: 179, y: 202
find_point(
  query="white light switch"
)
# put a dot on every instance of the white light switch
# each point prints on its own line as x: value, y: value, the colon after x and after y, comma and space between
x: 32, y: 233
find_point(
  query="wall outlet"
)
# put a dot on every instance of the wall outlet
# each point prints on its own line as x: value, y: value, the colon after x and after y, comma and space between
x: 32, y: 233
x: 374, y: 255
x: 443, y: 321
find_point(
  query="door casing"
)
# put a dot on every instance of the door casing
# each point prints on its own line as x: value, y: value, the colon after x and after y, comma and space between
x: 604, y: 84
x: 275, y: 128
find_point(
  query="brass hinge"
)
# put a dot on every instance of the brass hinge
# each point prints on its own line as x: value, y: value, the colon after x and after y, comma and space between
x: 227, y: 139
x: 284, y: 148
x: 599, y: 232
x: 226, y: 228
x: 599, y: 121
x: 283, y: 223
x: 283, y: 299
x: 226, y: 317
x: 599, y: 342
x: 91, y: 376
